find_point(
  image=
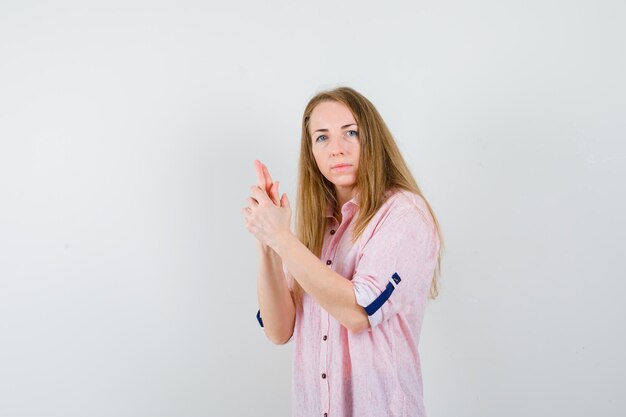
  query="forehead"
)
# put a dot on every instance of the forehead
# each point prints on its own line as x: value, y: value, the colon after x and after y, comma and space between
x: 329, y: 114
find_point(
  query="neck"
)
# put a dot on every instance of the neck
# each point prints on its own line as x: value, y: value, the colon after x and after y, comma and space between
x: 344, y: 195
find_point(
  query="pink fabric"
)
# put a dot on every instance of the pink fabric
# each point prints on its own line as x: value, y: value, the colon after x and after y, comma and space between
x: 377, y: 372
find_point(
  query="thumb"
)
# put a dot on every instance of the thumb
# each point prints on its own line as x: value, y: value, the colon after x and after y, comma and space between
x: 284, y: 201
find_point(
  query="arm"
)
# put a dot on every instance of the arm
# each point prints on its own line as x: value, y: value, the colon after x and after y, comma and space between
x: 333, y: 292
x: 275, y: 302
x: 268, y: 218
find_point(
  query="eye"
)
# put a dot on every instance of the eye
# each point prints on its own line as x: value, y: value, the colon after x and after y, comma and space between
x: 353, y: 133
x: 322, y: 137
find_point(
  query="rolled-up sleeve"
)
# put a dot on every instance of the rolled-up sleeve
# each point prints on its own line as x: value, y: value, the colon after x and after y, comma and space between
x: 396, y: 263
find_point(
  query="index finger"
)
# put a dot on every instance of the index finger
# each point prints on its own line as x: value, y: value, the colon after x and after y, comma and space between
x: 260, y: 176
x: 268, y: 178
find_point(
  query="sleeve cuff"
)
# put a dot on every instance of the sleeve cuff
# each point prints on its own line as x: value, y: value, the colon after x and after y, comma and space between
x: 365, y: 295
x: 372, y: 299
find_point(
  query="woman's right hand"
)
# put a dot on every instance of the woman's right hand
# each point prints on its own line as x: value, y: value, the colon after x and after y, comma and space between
x: 264, y: 180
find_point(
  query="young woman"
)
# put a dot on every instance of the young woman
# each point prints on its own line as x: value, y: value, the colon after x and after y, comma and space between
x: 350, y: 288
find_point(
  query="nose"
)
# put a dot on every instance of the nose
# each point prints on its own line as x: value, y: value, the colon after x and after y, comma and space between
x: 336, y: 147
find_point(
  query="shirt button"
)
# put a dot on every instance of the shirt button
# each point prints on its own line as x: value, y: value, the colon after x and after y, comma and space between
x: 328, y: 262
x: 332, y: 232
x: 323, y: 376
x: 325, y: 337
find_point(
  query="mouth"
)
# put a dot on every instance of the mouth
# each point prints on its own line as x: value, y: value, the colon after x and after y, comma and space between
x: 339, y: 166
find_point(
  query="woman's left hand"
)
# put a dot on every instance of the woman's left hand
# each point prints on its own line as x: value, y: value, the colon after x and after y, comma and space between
x: 266, y: 220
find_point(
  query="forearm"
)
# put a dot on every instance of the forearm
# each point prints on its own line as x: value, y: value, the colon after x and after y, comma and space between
x: 333, y: 292
x: 275, y: 302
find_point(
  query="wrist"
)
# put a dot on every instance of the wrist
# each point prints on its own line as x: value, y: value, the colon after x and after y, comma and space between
x: 264, y: 249
x: 282, y: 241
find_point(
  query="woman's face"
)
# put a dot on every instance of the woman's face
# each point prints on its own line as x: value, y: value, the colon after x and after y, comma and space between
x: 336, y: 145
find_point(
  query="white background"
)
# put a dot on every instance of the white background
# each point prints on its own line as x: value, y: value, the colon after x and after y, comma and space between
x: 127, y: 135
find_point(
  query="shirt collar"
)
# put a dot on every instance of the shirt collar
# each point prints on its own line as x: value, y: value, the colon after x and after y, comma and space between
x: 354, y: 202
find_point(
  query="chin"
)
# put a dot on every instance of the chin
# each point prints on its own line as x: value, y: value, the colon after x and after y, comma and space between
x: 347, y: 184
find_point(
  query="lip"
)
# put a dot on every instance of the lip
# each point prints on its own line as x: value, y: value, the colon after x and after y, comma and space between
x: 340, y: 166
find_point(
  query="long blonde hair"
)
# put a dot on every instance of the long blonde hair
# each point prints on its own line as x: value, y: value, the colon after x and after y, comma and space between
x: 386, y: 170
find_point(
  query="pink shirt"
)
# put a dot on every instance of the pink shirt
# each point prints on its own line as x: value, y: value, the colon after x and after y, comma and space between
x: 377, y: 373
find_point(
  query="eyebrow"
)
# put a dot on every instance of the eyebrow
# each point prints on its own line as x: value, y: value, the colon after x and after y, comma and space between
x: 343, y: 127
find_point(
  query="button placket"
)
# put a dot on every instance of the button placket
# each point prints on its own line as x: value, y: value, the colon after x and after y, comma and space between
x: 328, y: 253
x: 324, y: 385
x: 324, y: 344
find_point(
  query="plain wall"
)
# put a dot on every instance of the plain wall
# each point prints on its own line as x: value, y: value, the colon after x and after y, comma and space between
x: 127, y: 135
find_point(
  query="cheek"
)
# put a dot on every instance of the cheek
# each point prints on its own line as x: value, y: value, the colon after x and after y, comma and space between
x: 356, y: 151
x: 318, y: 161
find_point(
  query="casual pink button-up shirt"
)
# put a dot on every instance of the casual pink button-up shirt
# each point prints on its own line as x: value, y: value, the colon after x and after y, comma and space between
x: 377, y: 373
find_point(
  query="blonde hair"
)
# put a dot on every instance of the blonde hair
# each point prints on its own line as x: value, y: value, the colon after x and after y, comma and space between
x: 386, y: 170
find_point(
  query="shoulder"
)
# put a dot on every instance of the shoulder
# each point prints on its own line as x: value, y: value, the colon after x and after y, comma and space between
x: 403, y: 204
x: 402, y: 212
x: 404, y: 219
